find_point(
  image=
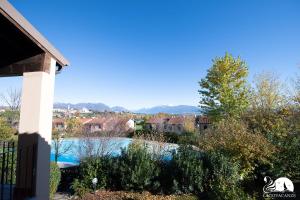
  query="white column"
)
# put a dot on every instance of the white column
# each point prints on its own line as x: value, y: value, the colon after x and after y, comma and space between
x: 36, y: 119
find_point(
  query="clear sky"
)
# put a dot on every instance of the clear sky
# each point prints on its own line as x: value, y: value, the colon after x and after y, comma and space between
x: 145, y: 52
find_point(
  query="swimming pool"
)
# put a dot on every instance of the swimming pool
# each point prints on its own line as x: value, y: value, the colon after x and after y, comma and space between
x: 81, y: 147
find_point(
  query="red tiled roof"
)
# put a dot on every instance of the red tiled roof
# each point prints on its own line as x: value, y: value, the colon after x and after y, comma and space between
x: 96, y: 121
x: 85, y: 120
x: 176, y: 120
x: 156, y: 120
x: 58, y: 121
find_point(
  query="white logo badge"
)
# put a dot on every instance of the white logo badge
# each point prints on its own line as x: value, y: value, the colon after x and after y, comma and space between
x: 281, y: 187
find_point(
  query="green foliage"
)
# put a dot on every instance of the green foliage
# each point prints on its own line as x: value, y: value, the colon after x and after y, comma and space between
x: 6, y: 132
x: 80, y: 188
x: 55, y: 176
x: 188, y: 138
x: 74, y: 127
x: 187, y: 170
x: 219, y: 167
x: 222, y: 177
x: 137, y: 170
x: 223, y: 91
x: 190, y: 171
x: 269, y: 112
x: 232, y: 138
x: 287, y: 161
x: 134, y: 170
x: 90, y: 168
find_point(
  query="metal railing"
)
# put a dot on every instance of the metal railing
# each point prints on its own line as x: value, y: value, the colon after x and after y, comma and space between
x: 8, y: 157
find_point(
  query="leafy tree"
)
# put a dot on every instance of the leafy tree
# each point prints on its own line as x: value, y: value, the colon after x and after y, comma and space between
x: 224, y: 92
x: 231, y: 138
x: 296, y: 96
x: 269, y: 110
x: 6, y: 131
x: 287, y: 162
x: 189, y: 124
x: 73, y: 127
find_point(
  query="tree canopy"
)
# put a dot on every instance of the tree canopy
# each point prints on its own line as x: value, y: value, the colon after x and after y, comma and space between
x: 224, y: 90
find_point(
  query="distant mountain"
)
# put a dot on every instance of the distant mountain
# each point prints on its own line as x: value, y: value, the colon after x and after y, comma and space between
x: 100, y: 107
x: 181, y: 109
x: 119, y: 109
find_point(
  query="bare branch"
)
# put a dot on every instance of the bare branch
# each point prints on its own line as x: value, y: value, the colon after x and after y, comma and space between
x: 12, y: 99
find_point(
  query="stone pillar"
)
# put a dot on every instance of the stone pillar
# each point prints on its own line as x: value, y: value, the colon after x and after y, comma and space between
x: 35, y: 128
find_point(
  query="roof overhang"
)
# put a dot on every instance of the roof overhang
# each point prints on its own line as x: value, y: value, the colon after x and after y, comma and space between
x: 22, y: 43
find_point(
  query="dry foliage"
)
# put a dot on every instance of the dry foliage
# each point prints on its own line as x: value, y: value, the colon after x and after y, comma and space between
x: 232, y: 137
x: 119, y: 195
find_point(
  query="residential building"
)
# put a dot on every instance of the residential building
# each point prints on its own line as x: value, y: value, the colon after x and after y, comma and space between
x: 174, y: 125
x: 93, y: 125
x: 202, y: 123
x: 59, y: 124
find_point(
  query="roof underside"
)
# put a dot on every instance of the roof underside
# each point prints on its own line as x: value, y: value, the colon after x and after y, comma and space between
x: 19, y: 40
x: 14, y: 45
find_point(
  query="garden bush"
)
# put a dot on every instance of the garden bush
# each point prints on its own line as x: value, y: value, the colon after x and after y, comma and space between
x: 222, y: 177
x: 190, y: 171
x: 232, y: 138
x: 90, y: 168
x: 287, y: 160
x: 187, y: 170
x: 137, y: 170
x: 55, y: 176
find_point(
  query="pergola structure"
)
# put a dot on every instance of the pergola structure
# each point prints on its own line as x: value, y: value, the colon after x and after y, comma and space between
x: 25, y: 52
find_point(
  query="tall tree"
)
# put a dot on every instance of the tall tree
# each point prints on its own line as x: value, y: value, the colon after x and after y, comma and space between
x: 224, y: 91
x: 11, y: 99
x: 269, y: 113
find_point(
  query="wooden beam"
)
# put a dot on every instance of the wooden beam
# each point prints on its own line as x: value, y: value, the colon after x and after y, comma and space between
x: 37, y: 63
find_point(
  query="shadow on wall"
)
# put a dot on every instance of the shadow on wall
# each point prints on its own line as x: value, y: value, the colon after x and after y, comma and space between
x: 33, y: 167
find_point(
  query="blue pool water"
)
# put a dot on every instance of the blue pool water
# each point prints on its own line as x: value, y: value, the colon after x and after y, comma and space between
x: 80, y: 147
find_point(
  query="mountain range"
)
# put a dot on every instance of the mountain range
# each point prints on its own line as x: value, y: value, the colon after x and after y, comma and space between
x: 101, y: 107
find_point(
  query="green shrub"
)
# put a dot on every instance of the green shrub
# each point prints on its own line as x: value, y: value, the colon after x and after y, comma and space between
x: 7, y: 132
x: 80, y: 188
x: 137, y: 170
x: 222, y: 177
x: 90, y: 168
x: 287, y: 160
x: 54, y: 178
x: 187, y: 169
x: 231, y: 137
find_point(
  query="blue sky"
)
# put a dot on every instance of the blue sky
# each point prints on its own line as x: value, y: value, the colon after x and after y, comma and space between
x: 145, y: 52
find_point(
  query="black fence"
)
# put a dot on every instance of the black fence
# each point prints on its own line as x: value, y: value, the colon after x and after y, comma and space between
x: 8, y: 157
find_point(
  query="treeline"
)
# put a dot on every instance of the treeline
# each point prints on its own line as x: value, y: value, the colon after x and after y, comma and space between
x: 257, y: 127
